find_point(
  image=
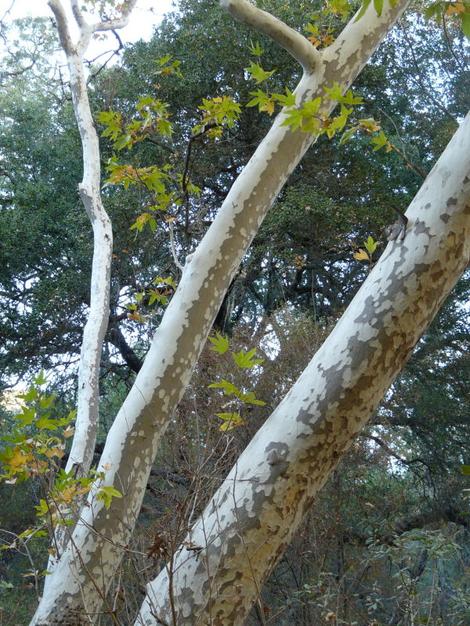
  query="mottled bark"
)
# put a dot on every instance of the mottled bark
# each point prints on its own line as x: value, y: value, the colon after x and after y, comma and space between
x: 251, y: 519
x: 75, y: 590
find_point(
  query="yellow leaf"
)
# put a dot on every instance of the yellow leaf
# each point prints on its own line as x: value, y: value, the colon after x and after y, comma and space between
x: 455, y: 9
x: 361, y: 255
x: 19, y: 460
x: 68, y: 432
x: 51, y: 452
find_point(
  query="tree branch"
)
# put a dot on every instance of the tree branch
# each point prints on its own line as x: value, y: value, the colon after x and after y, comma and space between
x: 78, y: 15
x: 296, y: 44
x: 118, y: 23
x: 62, y: 26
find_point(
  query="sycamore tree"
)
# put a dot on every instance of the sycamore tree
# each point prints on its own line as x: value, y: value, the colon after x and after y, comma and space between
x: 215, y: 576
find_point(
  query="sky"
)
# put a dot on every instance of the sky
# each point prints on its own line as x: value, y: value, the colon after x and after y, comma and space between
x: 146, y: 15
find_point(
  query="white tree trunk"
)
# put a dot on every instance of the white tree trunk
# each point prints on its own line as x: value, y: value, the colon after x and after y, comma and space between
x: 86, y: 422
x: 250, y: 521
x: 83, y: 445
x: 315, y: 424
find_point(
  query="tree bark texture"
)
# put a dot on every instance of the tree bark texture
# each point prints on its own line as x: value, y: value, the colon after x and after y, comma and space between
x: 251, y: 519
x: 291, y: 458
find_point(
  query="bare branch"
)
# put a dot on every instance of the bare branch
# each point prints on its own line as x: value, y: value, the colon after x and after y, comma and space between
x: 296, y: 44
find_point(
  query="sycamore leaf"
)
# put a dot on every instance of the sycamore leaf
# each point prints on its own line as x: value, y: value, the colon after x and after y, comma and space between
x: 258, y: 74
x: 346, y: 136
x: 27, y: 416
x: 361, y: 255
x: 47, y: 401
x: 227, y: 387
x: 19, y: 460
x: 230, y: 421
x: 379, y: 5
x: 30, y: 395
x: 246, y: 360
x: 369, y: 124
x: 44, y: 423
x: 68, y: 432
x: 370, y: 245
x: 363, y: 9
x: 40, y: 379
x: 42, y: 508
x: 220, y: 343
x: 285, y: 100
x: 106, y: 494
x: 250, y: 398
x: 262, y: 100
x: 379, y: 141
x: 465, y: 20
x: 351, y: 99
x: 256, y: 49
x: 334, y: 92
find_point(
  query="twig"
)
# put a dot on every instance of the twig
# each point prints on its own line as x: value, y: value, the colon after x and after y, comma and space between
x: 173, y: 248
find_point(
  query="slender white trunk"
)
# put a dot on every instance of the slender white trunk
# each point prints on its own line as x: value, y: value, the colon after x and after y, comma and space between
x: 86, y: 422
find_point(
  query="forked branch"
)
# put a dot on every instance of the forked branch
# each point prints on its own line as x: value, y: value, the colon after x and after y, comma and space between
x: 296, y: 44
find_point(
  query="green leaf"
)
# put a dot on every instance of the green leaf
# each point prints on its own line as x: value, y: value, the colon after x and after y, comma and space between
x: 27, y: 416
x: 379, y: 141
x: 262, y: 100
x: 106, y: 494
x: 466, y: 24
x: 363, y: 9
x: 163, y: 60
x: 246, y: 360
x: 250, y: 398
x: 379, y: 5
x: 351, y: 99
x: 335, y: 92
x: 47, y: 401
x: 44, y: 423
x: 346, y: 136
x: 256, y: 49
x: 220, y: 343
x: 465, y: 470
x: 227, y: 387
x: 40, y: 379
x: 287, y: 100
x: 231, y: 421
x: 258, y: 74
x: 30, y: 395
x: 370, y: 245
x: 42, y: 508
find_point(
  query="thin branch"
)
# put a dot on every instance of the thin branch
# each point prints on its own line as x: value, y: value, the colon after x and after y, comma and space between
x: 296, y: 44
x: 173, y: 248
x: 119, y: 22
x: 419, y: 78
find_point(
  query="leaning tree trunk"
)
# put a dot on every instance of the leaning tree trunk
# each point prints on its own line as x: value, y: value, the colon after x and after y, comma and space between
x: 250, y: 521
x: 314, y: 425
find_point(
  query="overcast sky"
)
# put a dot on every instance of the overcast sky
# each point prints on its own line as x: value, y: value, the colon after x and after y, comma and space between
x: 146, y: 15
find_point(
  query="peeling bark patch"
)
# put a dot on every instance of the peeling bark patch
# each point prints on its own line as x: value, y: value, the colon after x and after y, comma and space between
x: 420, y: 228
